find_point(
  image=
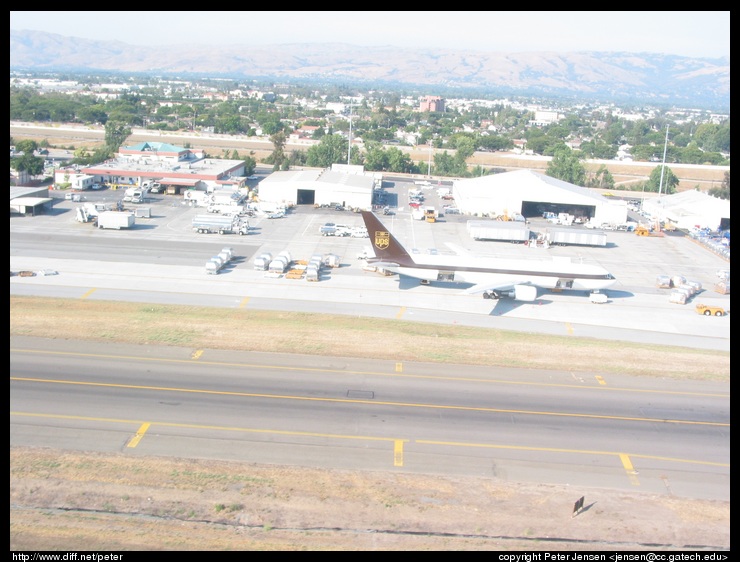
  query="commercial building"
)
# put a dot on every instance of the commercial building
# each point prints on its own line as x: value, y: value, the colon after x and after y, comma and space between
x: 174, y: 167
x: 322, y: 187
x: 532, y: 194
x: 690, y: 209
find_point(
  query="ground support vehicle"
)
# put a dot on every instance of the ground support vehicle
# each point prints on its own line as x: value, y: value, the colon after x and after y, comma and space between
x: 512, y: 231
x: 708, y: 310
x: 642, y: 230
x: 116, y: 219
x: 221, y: 224
x: 576, y: 236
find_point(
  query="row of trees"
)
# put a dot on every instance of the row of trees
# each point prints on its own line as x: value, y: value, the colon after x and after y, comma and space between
x: 495, y: 127
x: 376, y: 125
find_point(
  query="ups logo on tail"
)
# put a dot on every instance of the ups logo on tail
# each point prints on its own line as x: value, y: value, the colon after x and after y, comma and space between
x: 382, y: 240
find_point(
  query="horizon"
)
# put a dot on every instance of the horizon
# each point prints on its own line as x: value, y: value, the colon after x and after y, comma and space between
x: 690, y: 34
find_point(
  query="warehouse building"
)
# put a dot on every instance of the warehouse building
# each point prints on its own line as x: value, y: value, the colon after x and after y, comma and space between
x: 690, y: 209
x: 532, y: 194
x: 319, y: 187
x: 26, y: 201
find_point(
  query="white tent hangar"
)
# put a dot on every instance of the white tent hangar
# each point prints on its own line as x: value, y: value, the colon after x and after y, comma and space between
x: 690, y: 208
x: 317, y: 187
x: 531, y: 194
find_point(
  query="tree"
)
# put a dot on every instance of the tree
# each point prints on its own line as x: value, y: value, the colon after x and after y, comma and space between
x: 670, y: 181
x: 26, y: 146
x: 602, y: 179
x: 278, y: 154
x: 567, y: 167
x: 331, y: 150
x: 116, y: 134
x: 28, y: 163
x: 722, y: 192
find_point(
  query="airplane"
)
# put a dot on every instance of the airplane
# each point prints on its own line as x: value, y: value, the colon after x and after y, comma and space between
x: 495, y: 278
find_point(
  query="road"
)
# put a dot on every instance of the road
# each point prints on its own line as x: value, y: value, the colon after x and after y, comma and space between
x: 618, y: 432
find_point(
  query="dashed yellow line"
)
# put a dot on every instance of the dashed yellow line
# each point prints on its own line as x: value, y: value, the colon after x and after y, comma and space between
x: 244, y: 302
x: 196, y: 354
x: 90, y: 292
x: 399, y: 367
x: 401, y: 312
x: 139, y: 435
x: 600, y: 380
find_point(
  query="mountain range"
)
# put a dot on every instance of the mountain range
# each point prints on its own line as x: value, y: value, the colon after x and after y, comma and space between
x: 642, y: 78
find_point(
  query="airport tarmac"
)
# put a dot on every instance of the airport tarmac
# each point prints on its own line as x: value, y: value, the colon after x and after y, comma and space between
x: 162, y: 260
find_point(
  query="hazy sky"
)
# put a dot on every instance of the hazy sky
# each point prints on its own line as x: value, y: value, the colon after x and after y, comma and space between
x: 695, y: 34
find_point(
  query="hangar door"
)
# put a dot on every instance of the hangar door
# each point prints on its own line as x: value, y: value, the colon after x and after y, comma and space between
x: 306, y: 197
x: 538, y: 208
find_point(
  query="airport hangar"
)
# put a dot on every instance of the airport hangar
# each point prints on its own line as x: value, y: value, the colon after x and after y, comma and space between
x: 690, y: 209
x: 320, y: 187
x: 531, y: 194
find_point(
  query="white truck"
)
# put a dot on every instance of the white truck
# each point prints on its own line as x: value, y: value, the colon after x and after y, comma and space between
x: 134, y: 195
x: 222, y: 224
x: 509, y: 231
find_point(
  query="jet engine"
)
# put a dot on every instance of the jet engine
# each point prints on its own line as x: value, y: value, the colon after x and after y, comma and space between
x: 519, y: 292
x: 525, y: 293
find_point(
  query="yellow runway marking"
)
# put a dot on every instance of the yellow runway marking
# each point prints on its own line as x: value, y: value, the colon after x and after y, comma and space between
x: 631, y: 472
x: 399, y: 367
x: 600, y: 380
x: 401, y: 312
x: 398, y: 452
x: 90, y: 292
x: 139, y: 435
x: 569, y: 328
x: 244, y: 302
x: 196, y: 354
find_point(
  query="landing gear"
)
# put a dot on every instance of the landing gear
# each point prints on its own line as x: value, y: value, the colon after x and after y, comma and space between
x: 491, y: 295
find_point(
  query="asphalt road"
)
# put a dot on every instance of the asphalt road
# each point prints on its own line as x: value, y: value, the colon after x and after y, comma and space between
x: 619, y: 432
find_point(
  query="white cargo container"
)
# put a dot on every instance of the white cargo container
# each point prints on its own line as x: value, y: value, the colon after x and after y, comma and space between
x: 576, y: 236
x: 278, y: 265
x: 116, y: 219
x: 214, y: 265
x: 262, y: 262
x: 513, y: 231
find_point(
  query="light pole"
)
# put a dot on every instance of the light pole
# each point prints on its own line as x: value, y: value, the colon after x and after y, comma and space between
x: 662, y: 169
x: 429, y: 166
x: 349, y: 148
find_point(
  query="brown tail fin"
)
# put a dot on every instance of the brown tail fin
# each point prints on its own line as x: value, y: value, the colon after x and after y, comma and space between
x: 385, y: 245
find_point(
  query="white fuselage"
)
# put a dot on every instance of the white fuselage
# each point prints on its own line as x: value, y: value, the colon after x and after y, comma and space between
x: 547, y: 274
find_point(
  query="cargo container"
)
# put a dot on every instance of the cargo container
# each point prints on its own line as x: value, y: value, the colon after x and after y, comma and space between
x: 575, y: 236
x: 116, y: 220
x: 509, y: 231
